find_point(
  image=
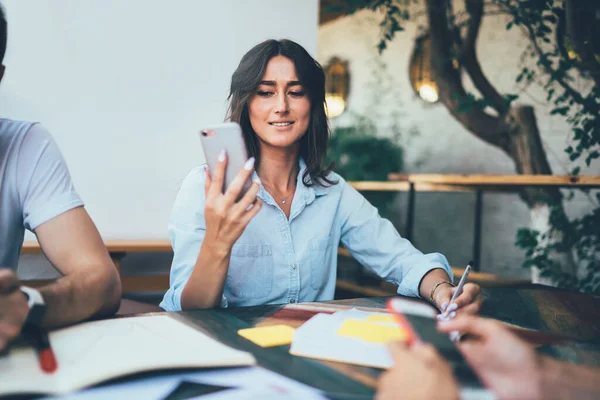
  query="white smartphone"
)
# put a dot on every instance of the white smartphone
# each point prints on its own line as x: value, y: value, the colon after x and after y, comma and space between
x: 226, y: 136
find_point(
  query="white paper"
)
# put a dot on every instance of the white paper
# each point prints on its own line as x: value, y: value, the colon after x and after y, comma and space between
x: 245, y: 394
x: 476, y: 394
x: 156, y: 388
x: 318, y: 338
x: 251, y: 383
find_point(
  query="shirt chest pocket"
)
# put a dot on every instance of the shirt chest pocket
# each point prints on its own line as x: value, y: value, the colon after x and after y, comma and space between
x: 319, y: 261
x: 250, y: 272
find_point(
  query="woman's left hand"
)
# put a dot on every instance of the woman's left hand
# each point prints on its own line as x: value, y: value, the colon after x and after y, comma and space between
x: 468, y: 302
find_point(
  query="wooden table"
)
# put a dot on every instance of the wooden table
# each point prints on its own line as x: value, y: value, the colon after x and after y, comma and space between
x: 566, y: 324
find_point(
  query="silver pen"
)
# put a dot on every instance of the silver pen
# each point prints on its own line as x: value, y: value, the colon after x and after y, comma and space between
x: 455, y: 336
x: 461, y: 283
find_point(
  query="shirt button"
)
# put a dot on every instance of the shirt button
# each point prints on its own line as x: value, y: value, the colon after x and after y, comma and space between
x: 294, y: 266
x: 292, y: 301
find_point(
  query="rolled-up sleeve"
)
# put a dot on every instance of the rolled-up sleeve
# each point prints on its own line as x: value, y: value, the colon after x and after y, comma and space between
x: 187, y: 228
x: 374, y: 242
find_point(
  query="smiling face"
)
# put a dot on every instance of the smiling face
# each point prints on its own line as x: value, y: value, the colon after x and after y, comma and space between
x: 279, y: 110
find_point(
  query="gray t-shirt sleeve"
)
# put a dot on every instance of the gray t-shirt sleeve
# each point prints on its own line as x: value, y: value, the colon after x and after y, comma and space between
x: 43, y: 180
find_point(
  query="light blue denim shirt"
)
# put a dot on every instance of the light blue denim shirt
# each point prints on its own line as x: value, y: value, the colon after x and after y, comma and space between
x: 277, y: 260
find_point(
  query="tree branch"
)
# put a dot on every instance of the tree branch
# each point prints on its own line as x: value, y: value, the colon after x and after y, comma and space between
x: 471, y: 63
x: 448, y: 79
x: 543, y: 59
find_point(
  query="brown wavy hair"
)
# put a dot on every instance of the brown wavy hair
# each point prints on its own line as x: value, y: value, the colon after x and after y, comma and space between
x: 246, y: 79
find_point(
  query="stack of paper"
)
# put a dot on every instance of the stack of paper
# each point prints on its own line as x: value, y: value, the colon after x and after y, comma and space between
x: 352, y: 336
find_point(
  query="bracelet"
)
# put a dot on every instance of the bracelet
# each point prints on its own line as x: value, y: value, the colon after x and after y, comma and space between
x: 435, y: 287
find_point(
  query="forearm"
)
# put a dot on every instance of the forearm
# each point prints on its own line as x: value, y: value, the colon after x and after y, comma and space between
x: 561, y: 380
x: 204, y: 288
x: 81, y: 295
x: 432, y: 278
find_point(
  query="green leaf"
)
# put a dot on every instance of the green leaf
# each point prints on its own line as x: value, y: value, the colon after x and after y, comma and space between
x: 575, y: 171
x: 520, y: 77
x: 560, y: 110
x: 509, y: 98
x: 592, y: 156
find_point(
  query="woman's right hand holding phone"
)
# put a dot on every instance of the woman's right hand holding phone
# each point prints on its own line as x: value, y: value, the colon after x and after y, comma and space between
x: 225, y: 220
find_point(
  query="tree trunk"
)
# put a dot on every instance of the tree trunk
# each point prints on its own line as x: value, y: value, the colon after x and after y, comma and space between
x: 514, y: 130
x: 526, y: 149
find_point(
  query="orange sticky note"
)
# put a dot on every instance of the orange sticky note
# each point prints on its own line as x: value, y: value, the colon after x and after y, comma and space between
x: 269, y: 336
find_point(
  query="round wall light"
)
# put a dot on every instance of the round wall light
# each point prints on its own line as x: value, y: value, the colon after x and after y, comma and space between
x: 337, y: 83
x: 421, y: 78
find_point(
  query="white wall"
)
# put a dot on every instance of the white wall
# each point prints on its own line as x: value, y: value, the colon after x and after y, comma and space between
x: 444, y: 221
x: 124, y: 86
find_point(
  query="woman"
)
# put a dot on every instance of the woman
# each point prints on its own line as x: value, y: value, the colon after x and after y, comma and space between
x: 245, y: 253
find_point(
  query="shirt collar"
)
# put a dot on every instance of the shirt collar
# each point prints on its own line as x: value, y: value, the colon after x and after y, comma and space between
x: 312, y: 191
x: 306, y: 193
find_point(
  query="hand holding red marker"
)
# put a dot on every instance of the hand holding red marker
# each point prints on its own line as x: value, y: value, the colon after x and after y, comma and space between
x: 38, y: 336
x: 46, y: 355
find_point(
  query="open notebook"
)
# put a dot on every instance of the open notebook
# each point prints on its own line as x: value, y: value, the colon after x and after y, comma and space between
x: 94, y: 352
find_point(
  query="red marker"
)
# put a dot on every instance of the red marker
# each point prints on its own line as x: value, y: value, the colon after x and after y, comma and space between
x: 394, y: 306
x: 46, y: 355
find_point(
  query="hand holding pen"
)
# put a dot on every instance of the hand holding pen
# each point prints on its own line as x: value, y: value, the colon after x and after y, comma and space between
x: 462, y: 298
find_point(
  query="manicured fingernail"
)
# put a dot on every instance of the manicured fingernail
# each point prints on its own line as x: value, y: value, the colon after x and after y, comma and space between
x: 249, y: 164
x: 444, y: 305
x: 442, y: 317
x: 454, y: 336
x: 452, y: 314
x: 452, y: 307
x: 256, y: 180
x: 222, y: 156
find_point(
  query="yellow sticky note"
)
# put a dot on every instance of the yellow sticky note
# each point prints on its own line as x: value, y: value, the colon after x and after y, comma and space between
x: 371, y: 332
x: 269, y: 336
x: 386, y: 319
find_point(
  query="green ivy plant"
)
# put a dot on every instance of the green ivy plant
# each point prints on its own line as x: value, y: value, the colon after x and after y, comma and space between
x: 581, y: 235
x: 538, y: 20
x: 581, y: 109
